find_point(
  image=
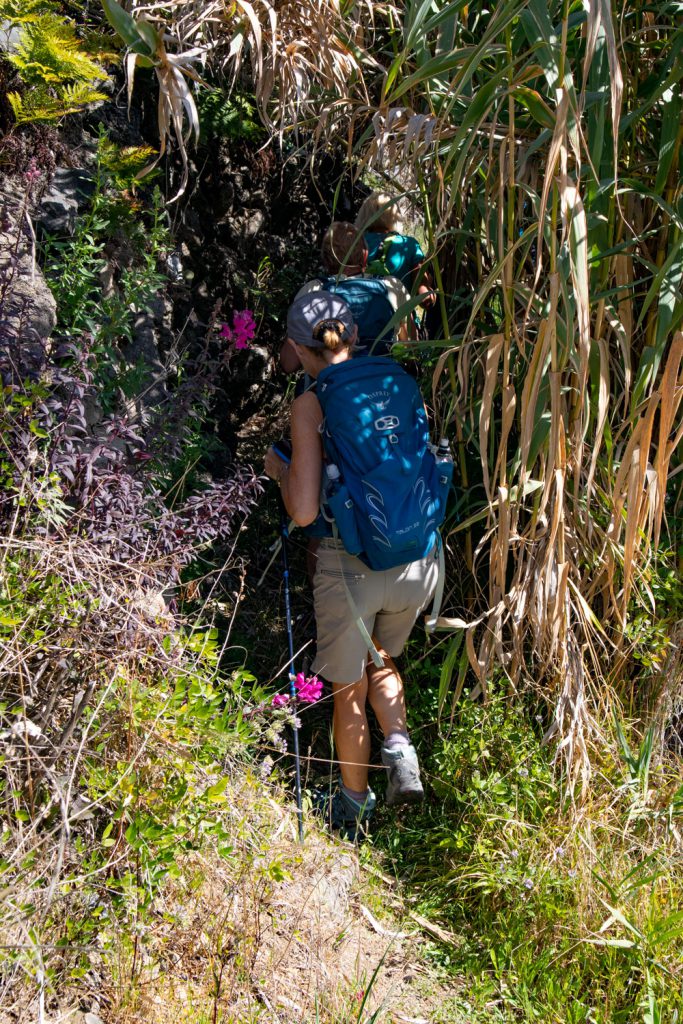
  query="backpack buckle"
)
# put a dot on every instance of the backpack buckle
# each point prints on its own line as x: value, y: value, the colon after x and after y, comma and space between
x: 387, y: 423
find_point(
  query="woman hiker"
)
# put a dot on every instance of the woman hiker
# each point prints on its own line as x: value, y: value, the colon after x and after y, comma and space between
x: 389, y: 250
x: 321, y: 334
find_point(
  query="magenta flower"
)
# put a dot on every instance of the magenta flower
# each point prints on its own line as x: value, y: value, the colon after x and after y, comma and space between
x: 308, y: 689
x: 243, y: 329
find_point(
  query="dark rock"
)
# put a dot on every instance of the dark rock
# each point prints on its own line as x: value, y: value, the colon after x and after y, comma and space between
x: 143, y: 354
x: 29, y: 307
x: 69, y: 193
x: 250, y: 223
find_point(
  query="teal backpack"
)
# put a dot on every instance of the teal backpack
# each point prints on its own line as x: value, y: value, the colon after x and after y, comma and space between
x: 377, y: 264
x: 372, y: 310
x: 390, y: 497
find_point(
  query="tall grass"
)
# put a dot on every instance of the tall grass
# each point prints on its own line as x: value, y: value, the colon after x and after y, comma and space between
x: 542, y: 142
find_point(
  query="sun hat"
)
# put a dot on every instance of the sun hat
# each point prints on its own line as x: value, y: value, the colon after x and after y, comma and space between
x: 310, y: 311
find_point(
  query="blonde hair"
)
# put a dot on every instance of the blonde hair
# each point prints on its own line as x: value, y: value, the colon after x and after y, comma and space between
x: 332, y: 334
x: 343, y: 246
x: 379, y: 212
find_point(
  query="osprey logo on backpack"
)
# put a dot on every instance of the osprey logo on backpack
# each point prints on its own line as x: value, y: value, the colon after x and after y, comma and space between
x: 391, y: 497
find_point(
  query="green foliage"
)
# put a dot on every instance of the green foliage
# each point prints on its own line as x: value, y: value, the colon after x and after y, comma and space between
x: 121, y: 166
x: 231, y: 117
x: 40, y: 105
x: 556, y: 920
x: 55, y: 68
x: 153, y: 780
x: 74, y: 266
x: 49, y: 52
x: 21, y: 12
x: 170, y: 801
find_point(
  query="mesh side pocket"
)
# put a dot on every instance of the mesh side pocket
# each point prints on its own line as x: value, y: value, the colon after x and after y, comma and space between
x: 343, y: 510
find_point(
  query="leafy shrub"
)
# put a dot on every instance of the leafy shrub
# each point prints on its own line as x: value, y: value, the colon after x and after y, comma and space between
x: 117, y: 725
x: 229, y: 117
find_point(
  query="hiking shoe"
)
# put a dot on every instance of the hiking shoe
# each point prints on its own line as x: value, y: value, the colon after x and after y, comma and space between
x: 403, y: 770
x: 342, y: 813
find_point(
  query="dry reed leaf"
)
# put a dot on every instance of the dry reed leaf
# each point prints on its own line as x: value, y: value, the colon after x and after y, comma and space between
x: 633, y: 493
x: 576, y: 234
x: 556, y: 425
x: 493, y: 352
x: 500, y: 547
x: 509, y: 404
x: 557, y: 145
x: 557, y: 609
x: 623, y: 275
x: 600, y: 421
x: 616, y: 78
x: 671, y: 389
x: 532, y: 385
x: 633, y: 498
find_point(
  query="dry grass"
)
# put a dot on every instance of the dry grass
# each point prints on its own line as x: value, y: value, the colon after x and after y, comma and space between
x: 275, y: 933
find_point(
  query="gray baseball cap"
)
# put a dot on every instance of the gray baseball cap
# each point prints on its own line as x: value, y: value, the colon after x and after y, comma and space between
x: 309, y: 311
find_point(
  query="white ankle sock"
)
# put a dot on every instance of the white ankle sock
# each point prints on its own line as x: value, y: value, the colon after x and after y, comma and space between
x: 397, y: 739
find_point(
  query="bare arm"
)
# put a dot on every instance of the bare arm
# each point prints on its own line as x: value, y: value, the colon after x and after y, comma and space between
x: 300, y: 481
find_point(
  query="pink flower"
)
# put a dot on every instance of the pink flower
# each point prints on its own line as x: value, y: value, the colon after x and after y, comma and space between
x: 309, y: 690
x: 243, y: 329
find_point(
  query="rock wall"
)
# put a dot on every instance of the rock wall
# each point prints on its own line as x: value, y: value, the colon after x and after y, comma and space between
x: 27, y: 304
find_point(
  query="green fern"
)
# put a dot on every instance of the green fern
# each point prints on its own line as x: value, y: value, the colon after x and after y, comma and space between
x: 122, y: 165
x: 20, y: 12
x: 40, y: 105
x: 50, y: 52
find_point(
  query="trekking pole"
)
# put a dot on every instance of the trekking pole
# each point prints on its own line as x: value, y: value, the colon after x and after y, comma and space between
x: 284, y: 533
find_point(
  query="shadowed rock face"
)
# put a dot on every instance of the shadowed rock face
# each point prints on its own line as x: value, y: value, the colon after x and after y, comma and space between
x: 69, y: 193
x: 28, y: 306
x: 246, y: 235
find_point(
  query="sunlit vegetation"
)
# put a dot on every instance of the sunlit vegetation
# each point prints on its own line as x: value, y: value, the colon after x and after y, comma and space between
x: 534, y: 147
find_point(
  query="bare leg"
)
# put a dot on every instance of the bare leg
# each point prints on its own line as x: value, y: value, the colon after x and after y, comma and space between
x: 385, y: 693
x: 351, y: 733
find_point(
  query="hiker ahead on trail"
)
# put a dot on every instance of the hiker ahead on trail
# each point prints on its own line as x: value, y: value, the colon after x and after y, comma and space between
x: 360, y: 449
x: 390, y: 252
x: 373, y: 300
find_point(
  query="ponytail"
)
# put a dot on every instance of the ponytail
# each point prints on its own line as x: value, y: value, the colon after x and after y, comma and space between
x: 332, y: 334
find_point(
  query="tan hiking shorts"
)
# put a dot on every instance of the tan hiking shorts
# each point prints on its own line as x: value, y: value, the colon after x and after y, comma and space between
x: 389, y: 601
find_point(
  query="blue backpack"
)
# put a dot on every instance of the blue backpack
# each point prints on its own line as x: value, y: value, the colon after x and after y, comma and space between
x: 391, y: 496
x: 368, y: 300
